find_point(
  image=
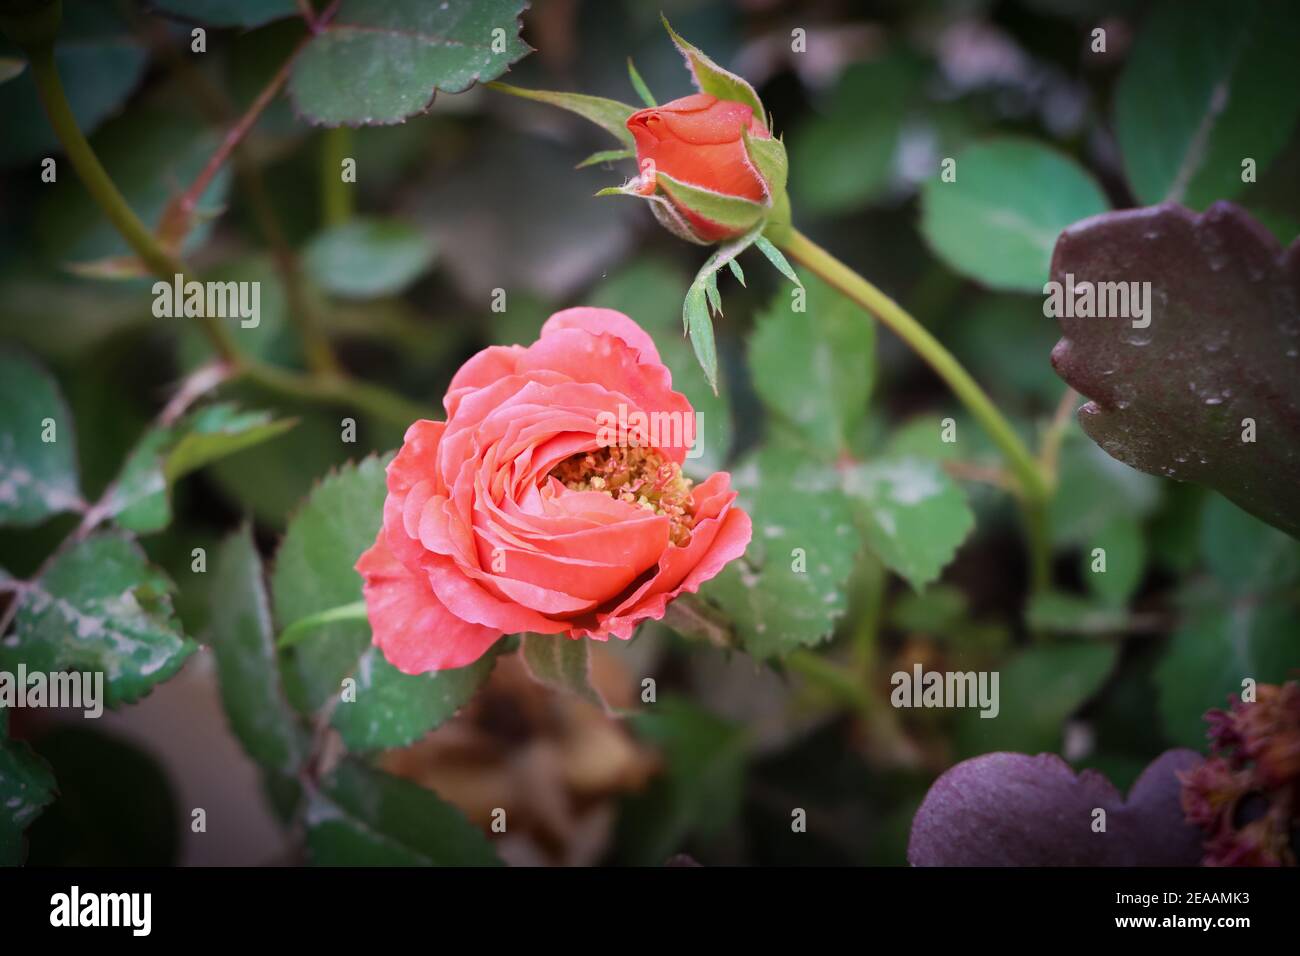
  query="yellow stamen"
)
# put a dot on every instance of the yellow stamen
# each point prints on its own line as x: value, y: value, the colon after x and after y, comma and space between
x: 640, y: 476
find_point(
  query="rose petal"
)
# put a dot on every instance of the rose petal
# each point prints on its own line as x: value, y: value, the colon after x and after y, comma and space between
x: 605, y: 322
x: 409, y: 624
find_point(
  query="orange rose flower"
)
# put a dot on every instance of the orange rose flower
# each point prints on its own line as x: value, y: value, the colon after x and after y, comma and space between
x: 529, y: 511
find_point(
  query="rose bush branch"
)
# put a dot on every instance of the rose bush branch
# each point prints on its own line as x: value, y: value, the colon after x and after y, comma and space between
x: 320, y: 386
x: 102, y: 189
x: 178, y: 218
x: 336, y: 197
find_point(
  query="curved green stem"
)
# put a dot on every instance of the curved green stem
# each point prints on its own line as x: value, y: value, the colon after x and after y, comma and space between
x: 336, y: 195
x: 1019, y: 460
x: 92, y: 173
x: 324, y: 386
x: 338, y: 389
x: 1037, y: 531
x: 105, y: 193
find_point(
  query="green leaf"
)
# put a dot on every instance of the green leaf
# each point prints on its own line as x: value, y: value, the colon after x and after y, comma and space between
x: 562, y: 664
x: 711, y: 78
x: 914, y: 516
x: 1004, y: 342
x: 1062, y: 613
x: 844, y: 157
x: 26, y: 787
x: 1173, y: 530
x: 609, y: 115
x: 393, y: 709
x: 269, y: 481
x: 365, y: 817
x: 242, y: 637
x: 941, y: 608
x: 1239, y: 625
x: 1037, y: 690
x: 368, y: 258
x: 100, y: 607
x: 37, y: 478
x: 1206, y: 85
x: 229, y: 13
x: 1220, y: 643
x: 1245, y: 555
x: 1094, y: 491
x: 380, y: 61
x: 998, y: 222
x: 788, y: 589
x: 814, y: 368
x: 140, y: 499
x: 698, y: 795
x: 1125, y: 555
x: 314, y: 573
x: 99, y: 62
x: 921, y: 436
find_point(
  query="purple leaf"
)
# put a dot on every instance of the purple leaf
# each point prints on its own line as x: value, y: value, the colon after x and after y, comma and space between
x: 1209, y: 391
x: 1005, y: 809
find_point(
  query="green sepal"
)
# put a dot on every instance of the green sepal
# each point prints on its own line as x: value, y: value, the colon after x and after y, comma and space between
x: 713, y: 79
x: 663, y: 210
x: 638, y: 84
x: 769, y: 157
x: 702, y: 295
x: 733, y: 212
x: 609, y: 115
x: 606, y: 156
x: 774, y: 256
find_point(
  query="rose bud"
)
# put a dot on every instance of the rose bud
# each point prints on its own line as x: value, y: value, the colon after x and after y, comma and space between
x: 699, y: 144
x: 550, y: 501
x: 708, y: 162
x: 710, y: 169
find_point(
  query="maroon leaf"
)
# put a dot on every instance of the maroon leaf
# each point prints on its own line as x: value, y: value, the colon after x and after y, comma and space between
x: 1222, y: 347
x: 1005, y: 809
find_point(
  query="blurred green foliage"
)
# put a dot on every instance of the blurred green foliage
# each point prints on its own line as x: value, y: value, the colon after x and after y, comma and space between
x: 833, y: 431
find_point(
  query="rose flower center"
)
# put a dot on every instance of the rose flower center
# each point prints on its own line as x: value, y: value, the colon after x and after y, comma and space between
x: 639, y: 476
